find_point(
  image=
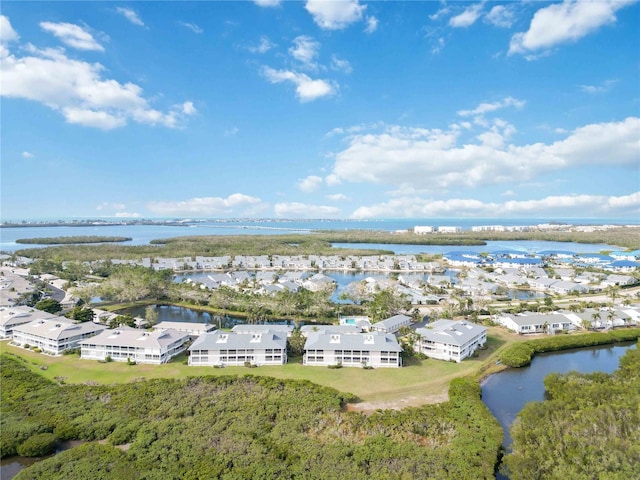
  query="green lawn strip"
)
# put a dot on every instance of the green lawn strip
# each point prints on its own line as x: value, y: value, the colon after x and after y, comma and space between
x: 419, y: 378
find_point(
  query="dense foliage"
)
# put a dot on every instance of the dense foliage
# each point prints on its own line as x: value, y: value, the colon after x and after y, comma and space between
x: 242, y: 427
x: 520, y: 354
x: 72, y: 240
x: 589, y: 428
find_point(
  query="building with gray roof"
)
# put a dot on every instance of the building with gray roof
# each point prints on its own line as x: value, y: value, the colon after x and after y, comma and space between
x: 140, y: 346
x: 236, y: 349
x: 54, y: 335
x: 392, y: 324
x: 373, y: 349
x: 450, y: 340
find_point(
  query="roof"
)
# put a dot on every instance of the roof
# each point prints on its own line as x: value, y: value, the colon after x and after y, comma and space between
x: 21, y: 314
x: 451, y: 332
x: 374, y: 341
x: 57, y: 328
x: 184, y: 326
x: 345, y: 329
x: 246, y: 329
x: 392, y: 322
x: 230, y: 340
x: 133, y: 337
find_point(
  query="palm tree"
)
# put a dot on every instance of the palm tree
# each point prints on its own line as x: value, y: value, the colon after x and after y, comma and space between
x: 595, y: 317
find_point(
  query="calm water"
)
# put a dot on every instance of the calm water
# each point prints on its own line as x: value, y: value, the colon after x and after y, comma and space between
x: 506, y: 393
x: 143, y: 234
x: 11, y: 466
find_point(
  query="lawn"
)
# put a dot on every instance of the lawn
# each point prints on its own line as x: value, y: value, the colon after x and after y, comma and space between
x: 418, y: 382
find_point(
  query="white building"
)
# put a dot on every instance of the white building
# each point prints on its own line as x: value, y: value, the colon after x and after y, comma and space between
x: 140, y: 346
x: 366, y: 349
x: 11, y: 317
x: 248, y: 329
x: 422, y: 229
x: 192, y: 329
x: 392, y: 324
x: 450, y: 340
x: 54, y: 335
x: 229, y: 349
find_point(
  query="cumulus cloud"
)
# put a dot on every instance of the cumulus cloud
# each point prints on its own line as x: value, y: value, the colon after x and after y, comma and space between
x: 236, y: 204
x: 79, y: 91
x: 467, y: 18
x: 72, y: 35
x: 263, y: 46
x: 267, y: 3
x: 501, y: 16
x: 192, y: 26
x: 340, y: 65
x: 305, y: 49
x: 303, y: 210
x: 310, y: 183
x: 564, y: 22
x: 338, y: 197
x: 7, y: 33
x: 130, y: 15
x: 335, y: 15
x: 421, y: 159
x: 560, y: 206
x: 602, y: 88
x: 307, y: 89
x: 372, y: 25
x: 487, y: 107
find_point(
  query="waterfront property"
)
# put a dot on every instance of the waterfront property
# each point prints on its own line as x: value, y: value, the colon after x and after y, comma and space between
x: 248, y: 329
x: 373, y: 349
x: 237, y: 349
x: 131, y: 344
x: 54, y: 335
x: 11, y: 317
x: 392, y: 324
x: 450, y: 340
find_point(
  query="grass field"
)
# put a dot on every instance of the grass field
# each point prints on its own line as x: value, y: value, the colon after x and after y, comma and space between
x: 418, y: 382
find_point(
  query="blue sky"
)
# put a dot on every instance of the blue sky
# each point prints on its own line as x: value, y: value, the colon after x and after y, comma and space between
x: 320, y: 109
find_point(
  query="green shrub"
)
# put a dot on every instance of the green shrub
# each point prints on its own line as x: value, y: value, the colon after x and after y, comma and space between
x: 518, y: 354
x: 38, y: 445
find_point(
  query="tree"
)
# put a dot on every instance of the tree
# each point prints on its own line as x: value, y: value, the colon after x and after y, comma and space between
x: 151, y: 315
x: 49, y: 305
x: 126, y: 320
x: 295, y: 343
x: 387, y: 303
x: 81, y: 314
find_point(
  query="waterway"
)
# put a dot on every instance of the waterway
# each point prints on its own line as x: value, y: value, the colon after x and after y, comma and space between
x: 507, y: 392
x: 11, y: 466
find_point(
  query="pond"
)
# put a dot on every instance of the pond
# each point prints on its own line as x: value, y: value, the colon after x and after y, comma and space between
x: 11, y: 466
x: 507, y: 392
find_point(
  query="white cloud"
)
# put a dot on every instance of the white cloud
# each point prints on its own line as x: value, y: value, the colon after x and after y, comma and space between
x: 78, y: 90
x: 372, y: 25
x: 423, y: 159
x: 443, y: 12
x: 192, y: 26
x: 130, y: 15
x: 263, y: 47
x: 335, y: 15
x: 501, y: 16
x: 236, y: 204
x: 437, y: 46
x: 127, y: 215
x: 310, y: 183
x: 602, y: 88
x: 267, y: 3
x: 307, y: 89
x: 7, y: 33
x: 485, y: 107
x: 302, y: 210
x: 559, y: 206
x: 467, y: 18
x: 341, y: 65
x: 72, y: 35
x: 338, y: 197
x: 563, y: 22
x: 305, y: 49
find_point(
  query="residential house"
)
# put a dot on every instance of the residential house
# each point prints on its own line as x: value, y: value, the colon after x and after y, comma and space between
x: 192, y: 329
x: 373, y: 349
x: 450, y: 340
x: 130, y: 344
x: 54, y: 335
x: 12, y: 317
x: 237, y: 349
x: 247, y: 329
x: 391, y: 324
